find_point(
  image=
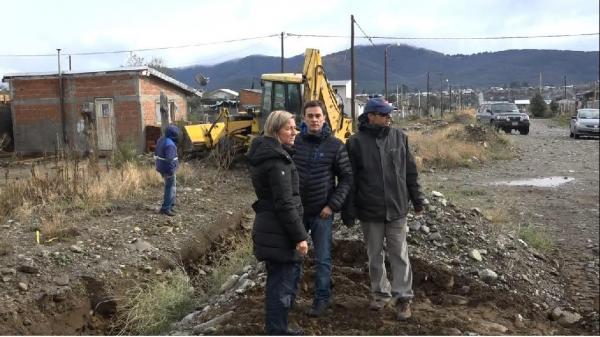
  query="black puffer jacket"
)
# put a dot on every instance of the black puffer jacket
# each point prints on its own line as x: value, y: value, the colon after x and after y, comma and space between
x: 278, y: 224
x: 385, y: 174
x: 320, y: 159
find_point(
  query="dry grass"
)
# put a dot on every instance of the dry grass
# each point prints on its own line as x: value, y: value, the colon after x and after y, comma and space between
x: 47, y: 200
x: 73, y: 186
x: 439, y: 149
x: 497, y: 216
x: 456, y: 146
x: 149, y: 309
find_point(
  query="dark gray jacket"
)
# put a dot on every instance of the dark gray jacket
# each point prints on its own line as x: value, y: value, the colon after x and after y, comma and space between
x: 278, y: 225
x: 321, y: 159
x: 385, y: 174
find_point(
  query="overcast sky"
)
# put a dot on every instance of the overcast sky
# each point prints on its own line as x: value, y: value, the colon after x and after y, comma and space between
x: 39, y: 27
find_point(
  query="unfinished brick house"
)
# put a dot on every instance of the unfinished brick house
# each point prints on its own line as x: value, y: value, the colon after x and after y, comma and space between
x: 120, y: 103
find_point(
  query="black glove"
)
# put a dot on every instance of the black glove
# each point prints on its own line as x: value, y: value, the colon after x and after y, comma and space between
x: 349, y: 222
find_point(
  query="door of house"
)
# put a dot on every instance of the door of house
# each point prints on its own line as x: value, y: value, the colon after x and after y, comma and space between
x: 105, y: 121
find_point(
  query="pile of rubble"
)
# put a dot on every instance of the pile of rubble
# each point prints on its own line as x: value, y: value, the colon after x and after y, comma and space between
x: 458, y: 258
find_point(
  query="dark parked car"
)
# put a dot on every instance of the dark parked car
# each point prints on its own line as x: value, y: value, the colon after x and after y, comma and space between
x: 503, y: 115
x: 585, y: 123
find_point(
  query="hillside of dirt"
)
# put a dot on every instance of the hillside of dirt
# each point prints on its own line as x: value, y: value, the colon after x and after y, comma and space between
x: 471, y: 275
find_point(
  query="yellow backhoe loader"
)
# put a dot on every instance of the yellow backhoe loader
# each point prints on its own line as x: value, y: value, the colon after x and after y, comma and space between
x: 284, y: 91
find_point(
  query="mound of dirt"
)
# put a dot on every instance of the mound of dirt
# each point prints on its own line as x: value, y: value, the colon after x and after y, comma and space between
x: 467, y: 280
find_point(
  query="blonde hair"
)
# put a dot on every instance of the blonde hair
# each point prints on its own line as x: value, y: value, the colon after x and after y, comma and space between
x: 275, y: 122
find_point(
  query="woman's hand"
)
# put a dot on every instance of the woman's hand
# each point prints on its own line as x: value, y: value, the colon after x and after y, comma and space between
x: 302, y: 247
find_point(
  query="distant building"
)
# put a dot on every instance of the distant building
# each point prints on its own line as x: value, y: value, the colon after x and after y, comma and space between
x: 121, y: 103
x: 250, y: 99
x: 343, y: 89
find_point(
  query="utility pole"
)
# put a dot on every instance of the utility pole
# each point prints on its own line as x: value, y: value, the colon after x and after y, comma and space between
x: 282, y: 56
x: 540, y: 82
x: 441, y: 98
x: 352, y: 79
x: 565, y: 85
x: 69, y: 62
x: 385, y: 91
x: 61, y: 101
x: 427, y: 103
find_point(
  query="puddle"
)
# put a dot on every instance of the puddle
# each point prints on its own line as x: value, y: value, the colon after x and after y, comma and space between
x: 537, y: 182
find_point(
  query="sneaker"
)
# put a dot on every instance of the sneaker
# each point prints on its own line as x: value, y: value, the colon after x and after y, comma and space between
x: 294, y: 332
x: 378, y: 304
x: 318, y: 308
x: 404, y: 311
x: 167, y: 212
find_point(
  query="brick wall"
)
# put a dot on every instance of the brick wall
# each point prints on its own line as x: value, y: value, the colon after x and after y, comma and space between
x: 150, y: 94
x: 37, y: 117
x: 249, y: 98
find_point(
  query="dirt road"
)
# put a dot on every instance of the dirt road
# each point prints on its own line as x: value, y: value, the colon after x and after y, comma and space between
x: 569, y: 213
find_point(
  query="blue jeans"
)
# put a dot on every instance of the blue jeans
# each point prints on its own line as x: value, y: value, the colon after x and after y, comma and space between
x: 170, y: 192
x: 281, y: 290
x: 320, y: 232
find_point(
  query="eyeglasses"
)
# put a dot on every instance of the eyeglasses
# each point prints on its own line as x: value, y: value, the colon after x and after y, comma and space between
x: 382, y: 114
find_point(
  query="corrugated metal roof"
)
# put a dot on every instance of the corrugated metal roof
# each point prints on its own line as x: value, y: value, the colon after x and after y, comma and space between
x: 147, y: 71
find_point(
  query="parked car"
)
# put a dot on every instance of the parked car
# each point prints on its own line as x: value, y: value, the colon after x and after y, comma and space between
x: 503, y: 115
x: 585, y: 123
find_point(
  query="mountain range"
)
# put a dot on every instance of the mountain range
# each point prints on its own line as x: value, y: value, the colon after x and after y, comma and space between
x: 408, y: 66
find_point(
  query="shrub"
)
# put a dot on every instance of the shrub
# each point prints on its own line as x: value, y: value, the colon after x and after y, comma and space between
x: 538, y: 106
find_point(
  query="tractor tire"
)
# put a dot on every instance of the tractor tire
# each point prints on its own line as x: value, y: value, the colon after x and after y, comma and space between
x: 524, y: 131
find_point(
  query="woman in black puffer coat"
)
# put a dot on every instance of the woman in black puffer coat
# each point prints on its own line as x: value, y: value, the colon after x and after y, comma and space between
x: 278, y: 234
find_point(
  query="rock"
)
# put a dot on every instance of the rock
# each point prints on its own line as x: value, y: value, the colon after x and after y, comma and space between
x: 76, y: 249
x: 229, y: 283
x: 247, y: 284
x: 564, y: 317
x: 475, y: 255
x: 434, y: 236
x: 148, y: 269
x: 444, y: 202
x: 450, y: 332
x: 476, y: 210
x: 23, y: 286
x: 488, y: 275
x: 142, y: 246
x: 204, y: 327
x: 414, y: 225
x: 8, y: 271
x: 425, y: 229
x: 6, y: 279
x: 522, y: 242
x: 456, y: 299
x: 27, y: 269
x: 494, y: 327
x: 62, y: 280
x: 519, y: 321
x: 437, y: 194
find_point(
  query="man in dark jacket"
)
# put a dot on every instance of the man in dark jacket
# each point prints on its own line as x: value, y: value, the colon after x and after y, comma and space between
x: 165, y: 155
x: 320, y: 159
x: 385, y: 180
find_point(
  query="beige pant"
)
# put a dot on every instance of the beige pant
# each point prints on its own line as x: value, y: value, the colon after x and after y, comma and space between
x: 394, y: 234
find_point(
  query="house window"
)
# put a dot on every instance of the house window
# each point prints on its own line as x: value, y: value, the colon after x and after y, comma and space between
x: 170, y: 113
x: 105, y: 110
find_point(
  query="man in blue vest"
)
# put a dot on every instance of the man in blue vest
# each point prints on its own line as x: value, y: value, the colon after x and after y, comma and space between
x: 321, y: 158
x: 166, y: 164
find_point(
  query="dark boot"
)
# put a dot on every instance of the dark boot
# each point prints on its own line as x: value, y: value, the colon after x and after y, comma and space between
x: 404, y: 311
x: 318, y: 308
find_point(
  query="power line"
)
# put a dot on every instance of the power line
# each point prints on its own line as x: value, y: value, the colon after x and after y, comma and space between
x: 359, y: 27
x: 145, y: 49
x: 370, y: 38
x: 446, y: 38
